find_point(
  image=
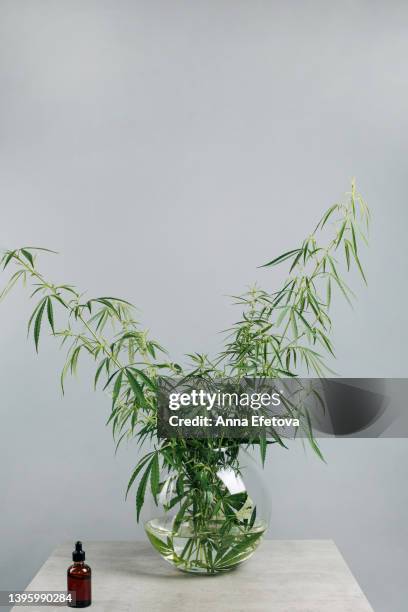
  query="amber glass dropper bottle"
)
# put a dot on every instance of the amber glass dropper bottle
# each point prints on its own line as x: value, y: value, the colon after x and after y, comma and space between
x: 79, y: 579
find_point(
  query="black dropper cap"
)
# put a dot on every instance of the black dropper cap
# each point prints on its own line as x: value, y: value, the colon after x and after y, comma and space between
x: 78, y: 554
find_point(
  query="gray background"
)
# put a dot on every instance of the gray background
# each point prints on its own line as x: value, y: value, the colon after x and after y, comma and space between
x: 166, y: 149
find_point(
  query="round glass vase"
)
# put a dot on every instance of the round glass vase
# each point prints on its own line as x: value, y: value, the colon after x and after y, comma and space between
x: 211, y: 528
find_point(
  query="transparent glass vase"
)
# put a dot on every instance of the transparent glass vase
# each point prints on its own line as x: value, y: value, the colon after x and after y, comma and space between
x: 211, y: 528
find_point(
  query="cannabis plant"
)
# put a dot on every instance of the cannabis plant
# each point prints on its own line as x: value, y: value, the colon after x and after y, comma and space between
x: 277, y: 334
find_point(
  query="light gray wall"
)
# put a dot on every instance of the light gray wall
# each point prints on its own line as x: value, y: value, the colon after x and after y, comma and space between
x: 166, y: 149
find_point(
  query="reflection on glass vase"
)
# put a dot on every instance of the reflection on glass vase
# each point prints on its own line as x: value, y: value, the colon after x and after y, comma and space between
x: 211, y: 524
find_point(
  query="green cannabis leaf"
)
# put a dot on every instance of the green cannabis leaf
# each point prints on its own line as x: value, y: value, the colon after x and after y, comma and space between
x: 276, y: 334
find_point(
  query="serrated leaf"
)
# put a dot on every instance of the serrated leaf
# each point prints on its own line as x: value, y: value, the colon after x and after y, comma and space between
x: 293, y: 324
x: 312, y: 441
x: 326, y: 341
x: 155, y: 477
x: 262, y: 448
x: 162, y: 548
x: 327, y: 215
x: 181, y: 514
x: 282, y: 315
x: 28, y: 257
x: 342, y: 230
x: 35, y: 248
x: 31, y: 319
x: 252, y: 519
x: 347, y: 252
x: 141, y: 490
x: 145, y: 378
x: 137, y: 470
x: 8, y: 257
x: 136, y: 388
x: 357, y: 260
x: 180, y: 485
x: 239, y: 552
x: 99, y: 370
x: 37, y: 323
x: 116, y: 388
x: 13, y: 280
x: 353, y: 235
x: 281, y: 258
x: 297, y: 258
x: 328, y: 292
x: 50, y: 314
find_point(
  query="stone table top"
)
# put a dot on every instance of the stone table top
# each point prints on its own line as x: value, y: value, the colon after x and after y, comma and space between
x: 282, y: 576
